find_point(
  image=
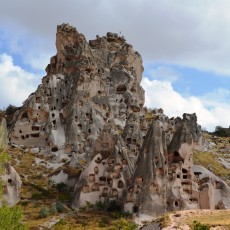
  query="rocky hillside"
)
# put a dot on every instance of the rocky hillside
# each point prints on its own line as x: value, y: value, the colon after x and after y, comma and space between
x: 88, y: 122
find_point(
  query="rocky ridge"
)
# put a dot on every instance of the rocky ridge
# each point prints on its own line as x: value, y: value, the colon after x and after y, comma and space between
x: 88, y: 112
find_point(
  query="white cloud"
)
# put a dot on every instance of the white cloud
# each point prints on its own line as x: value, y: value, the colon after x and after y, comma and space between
x: 160, y: 94
x: 16, y: 83
x: 190, y: 33
x: 163, y: 73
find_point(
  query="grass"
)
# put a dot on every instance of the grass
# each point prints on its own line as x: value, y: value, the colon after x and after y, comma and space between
x: 209, y: 161
x: 217, y: 218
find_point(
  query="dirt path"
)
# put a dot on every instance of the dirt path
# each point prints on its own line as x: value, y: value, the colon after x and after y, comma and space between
x: 177, y: 219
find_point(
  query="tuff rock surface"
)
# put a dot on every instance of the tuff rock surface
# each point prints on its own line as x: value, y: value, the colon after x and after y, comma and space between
x: 11, y: 183
x: 89, y: 112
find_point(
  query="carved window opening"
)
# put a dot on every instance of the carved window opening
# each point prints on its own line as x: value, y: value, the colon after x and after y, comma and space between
x: 135, y: 209
x: 124, y: 162
x: 114, y: 193
x: 176, y: 154
x: 53, y: 114
x: 111, y: 160
x: 23, y: 137
x: 10, y: 181
x: 120, y: 184
x: 54, y: 149
x: 91, y: 177
x: 86, y: 188
x: 35, y: 128
x: 24, y: 115
x: 27, y: 136
x: 35, y: 135
x: 96, y: 170
x: 105, y: 192
x: 20, y: 131
x: 116, y: 175
x: 95, y: 187
x: 98, y: 160
x: 128, y: 140
x: 38, y: 100
x: 176, y: 203
x: 121, y: 89
x: 102, y: 178
x: 109, y: 181
x: 184, y: 170
x: 139, y: 180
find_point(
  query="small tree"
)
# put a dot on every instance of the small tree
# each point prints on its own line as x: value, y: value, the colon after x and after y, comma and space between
x: 11, y: 109
x: 44, y: 212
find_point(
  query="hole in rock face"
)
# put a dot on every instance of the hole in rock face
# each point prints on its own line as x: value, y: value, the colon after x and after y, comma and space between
x: 54, y: 149
x: 35, y: 128
x: 176, y: 203
x: 176, y: 154
x: 120, y: 184
x: 121, y: 89
x: 34, y: 135
x: 135, y: 209
x: 24, y: 115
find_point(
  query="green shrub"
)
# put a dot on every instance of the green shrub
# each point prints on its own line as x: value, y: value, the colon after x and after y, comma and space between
x: 198, y: 226
x: 61, y: 187
x: 125, y: 225
x: 99, y: 206
x: 53, y: 209
x: 11, y: 109
x: 114, y: 206
x: 10, y: 218
x: 103, y: 222
x: 44, y: 212
x: 59, y: 206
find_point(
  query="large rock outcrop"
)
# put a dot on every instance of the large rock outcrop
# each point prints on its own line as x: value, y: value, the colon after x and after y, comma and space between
x: 89, y: 111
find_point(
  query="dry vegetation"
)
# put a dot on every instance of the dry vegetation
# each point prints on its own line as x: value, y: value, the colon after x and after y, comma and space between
x: 38, y: 191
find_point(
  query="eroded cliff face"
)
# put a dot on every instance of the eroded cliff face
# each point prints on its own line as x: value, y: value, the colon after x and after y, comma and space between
x: 89, y: 111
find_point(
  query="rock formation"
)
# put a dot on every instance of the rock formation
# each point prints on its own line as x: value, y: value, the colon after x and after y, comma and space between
x: 89, y: 111
x: 11, y: 185
x: 3, y: 132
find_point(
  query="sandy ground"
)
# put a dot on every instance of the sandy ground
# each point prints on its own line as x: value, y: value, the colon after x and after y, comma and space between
x: 177, y: 219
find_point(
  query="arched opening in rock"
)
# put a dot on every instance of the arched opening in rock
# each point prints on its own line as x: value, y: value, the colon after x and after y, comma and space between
x: 135, y: 209
x: 176, y: 154
x: 111, y: 160
x: 105, y: 192
x: 121, y: 89
x: 24, y: 115
x: 139, y: 180
x: 176, y: 203
x: 120, y: 184
x: 34, y: 135
x: 85, y: 188
x: 54, y: 149
x: 95, y: 187
x: 114, y: 193
x: 35, y: 128
x: 96, y: 170
x: 91, y: 177
x: 98, y: 160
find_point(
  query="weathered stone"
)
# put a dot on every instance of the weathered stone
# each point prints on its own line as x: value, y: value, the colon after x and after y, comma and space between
x: 89, y: 111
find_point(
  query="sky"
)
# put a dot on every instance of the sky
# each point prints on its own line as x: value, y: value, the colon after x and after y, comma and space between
x: 184, y: 44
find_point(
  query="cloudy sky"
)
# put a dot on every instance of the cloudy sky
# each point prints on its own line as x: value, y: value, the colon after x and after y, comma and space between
x: 185, y: 46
